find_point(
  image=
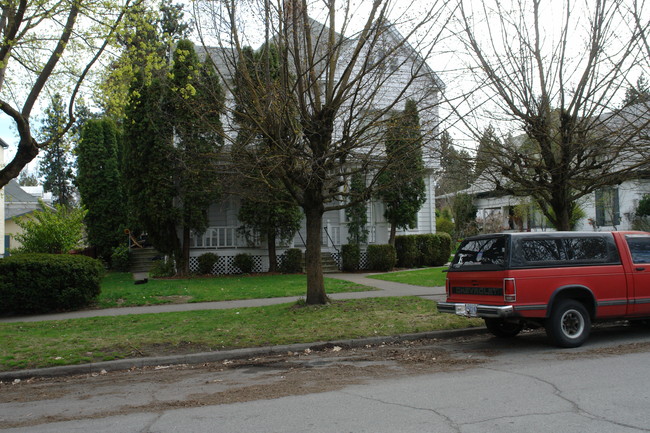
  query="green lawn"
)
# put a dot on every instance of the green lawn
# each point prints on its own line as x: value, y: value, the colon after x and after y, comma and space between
x: 64, y: 342
x: 119, y: 290
x: 429, y: 277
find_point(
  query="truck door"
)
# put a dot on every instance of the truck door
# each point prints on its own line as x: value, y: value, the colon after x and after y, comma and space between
x: 639, y: 246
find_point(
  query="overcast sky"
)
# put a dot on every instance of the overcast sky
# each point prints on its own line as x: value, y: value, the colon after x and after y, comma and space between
x: 447, y: 60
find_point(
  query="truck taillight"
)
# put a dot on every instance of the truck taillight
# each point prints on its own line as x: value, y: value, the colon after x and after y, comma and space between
x: 509, y: 290
x: 448, y: 287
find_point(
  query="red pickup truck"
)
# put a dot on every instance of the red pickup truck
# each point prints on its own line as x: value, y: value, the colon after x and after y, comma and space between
x: 562, y: 281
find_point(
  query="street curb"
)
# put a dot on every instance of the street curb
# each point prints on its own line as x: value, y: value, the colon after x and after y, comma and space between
x: 207, y: 357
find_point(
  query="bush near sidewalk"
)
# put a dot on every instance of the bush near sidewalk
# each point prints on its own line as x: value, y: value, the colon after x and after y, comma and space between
x: 39, y: 283
x: 381, y: 258
x: 422, y: 250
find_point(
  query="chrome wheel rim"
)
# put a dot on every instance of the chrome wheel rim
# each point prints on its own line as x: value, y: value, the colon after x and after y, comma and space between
x: 573, y: 324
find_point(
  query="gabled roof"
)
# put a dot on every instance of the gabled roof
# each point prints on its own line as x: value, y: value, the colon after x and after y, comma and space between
x: 18, y: 202
x: 417, y: 56
x: 223, y: 57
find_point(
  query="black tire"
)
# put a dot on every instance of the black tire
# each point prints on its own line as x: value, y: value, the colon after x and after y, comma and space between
x: 502, y: 329
x: 569, y: 324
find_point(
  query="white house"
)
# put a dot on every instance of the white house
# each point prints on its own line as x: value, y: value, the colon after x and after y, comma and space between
x: 608, y: 208
x: 222, y: 233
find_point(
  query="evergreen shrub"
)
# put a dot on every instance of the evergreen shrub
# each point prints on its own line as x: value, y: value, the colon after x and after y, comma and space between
x: 292, y: 261
x: 121, y: 258
x: 207, y: 262
x: 407, y: 251
x: 423, y: 250
x: 162, y: 268
x: 351, y: 257
x: 381, y: 257
x: 444, y: 250
x: 444, y: 225
x: 39, y: 283
x: 428, y: 248
x: 244, y: 262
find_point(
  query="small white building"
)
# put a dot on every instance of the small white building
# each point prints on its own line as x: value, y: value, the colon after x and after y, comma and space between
x: 20, y: 201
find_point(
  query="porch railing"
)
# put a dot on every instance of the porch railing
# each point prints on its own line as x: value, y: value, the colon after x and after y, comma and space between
x: 218, y: 237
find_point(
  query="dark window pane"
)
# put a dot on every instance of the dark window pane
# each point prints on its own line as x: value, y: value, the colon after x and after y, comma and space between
x: 540, y: 250
x: 480, y: 252
x: 640, y: 248
x: 586, y: 249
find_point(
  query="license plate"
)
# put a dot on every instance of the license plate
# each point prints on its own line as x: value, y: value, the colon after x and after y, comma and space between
x: 466, y: 310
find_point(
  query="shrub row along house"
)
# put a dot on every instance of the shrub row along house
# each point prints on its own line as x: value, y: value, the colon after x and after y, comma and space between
x: 362, y: 130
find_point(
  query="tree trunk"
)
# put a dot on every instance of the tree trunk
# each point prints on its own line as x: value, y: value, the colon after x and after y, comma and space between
x: 563, y: 220
x: 393, y: 231
x: 561, y: 214
x: 315, y: 284
x: 184, y: 262
x: 27, y: 151
x: 273, y: 258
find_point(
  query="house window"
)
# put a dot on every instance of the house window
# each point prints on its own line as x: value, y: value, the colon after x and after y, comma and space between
x: 607, y: 207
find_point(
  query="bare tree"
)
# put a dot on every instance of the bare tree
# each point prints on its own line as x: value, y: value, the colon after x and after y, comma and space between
x: 321, y: 118
x: 48, y: 42
x: 639, y: 12
x: 556, y: 71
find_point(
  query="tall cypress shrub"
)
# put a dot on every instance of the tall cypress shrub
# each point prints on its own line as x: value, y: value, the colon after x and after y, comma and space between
x: 99, y: 184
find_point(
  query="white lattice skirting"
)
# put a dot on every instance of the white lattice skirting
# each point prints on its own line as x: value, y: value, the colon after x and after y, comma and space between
x: 225, y: 266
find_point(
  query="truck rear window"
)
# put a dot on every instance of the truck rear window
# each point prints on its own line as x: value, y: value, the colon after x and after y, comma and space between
x: 481, y: 254
x: 560, y: 250
x: 567, y: 249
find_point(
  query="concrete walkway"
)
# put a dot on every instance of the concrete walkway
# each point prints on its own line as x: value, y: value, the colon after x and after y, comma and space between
x: 387, y: 288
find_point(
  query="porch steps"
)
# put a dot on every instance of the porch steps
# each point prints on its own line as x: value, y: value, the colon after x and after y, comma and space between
x: 328, y: 263
x: 142, y: 259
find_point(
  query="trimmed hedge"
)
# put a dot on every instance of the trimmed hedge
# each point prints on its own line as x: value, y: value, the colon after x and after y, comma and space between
x: 381, y: 257
x: 40, y: 283
x: 206, y: 262
x: 244, y: 262
x: 445, y: 249
x: 423, y: 250
x: 351, y: 257
x: 292, y: 262
x: 406, y: 248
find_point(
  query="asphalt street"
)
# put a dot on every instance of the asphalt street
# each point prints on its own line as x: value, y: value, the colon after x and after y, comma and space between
x: 466, y: 384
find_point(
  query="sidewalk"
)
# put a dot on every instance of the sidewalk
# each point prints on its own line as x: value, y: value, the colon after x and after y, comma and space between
x: 387, y: 288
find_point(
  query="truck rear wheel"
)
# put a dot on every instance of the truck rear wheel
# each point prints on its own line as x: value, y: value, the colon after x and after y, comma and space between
x: 502, y: 329
x: 569, y: 324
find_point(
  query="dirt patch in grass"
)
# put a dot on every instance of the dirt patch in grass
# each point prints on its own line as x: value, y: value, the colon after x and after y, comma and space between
x: 175, y: 299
